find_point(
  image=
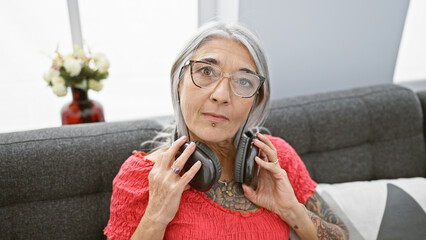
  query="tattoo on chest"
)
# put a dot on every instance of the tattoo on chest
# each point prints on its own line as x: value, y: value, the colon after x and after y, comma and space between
x: 231, y: 195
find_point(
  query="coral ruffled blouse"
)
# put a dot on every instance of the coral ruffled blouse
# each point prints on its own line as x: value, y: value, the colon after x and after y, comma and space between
x: 198, y: 217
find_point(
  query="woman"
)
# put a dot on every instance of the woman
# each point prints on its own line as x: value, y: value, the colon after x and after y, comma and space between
x: 220, y: 88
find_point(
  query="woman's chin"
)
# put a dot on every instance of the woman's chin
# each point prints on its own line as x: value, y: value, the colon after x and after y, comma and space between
x: 214, y: 135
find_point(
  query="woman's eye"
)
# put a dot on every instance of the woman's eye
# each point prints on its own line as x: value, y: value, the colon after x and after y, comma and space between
x: 244, y: 82
x: 207, y: 71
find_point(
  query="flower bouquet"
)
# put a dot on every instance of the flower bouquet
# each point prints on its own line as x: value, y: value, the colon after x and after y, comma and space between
x: 80, y: 72
x: 77, y: 70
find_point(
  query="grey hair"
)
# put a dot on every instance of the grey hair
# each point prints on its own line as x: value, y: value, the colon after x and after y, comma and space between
x: 206, y: 33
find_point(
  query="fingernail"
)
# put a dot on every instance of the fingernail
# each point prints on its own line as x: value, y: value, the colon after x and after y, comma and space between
x: 192, y: 144
x: 182, y: 138
x: 198, y: 163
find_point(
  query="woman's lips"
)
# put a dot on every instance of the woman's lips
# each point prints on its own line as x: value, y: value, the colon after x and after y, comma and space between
x: 215, y: 117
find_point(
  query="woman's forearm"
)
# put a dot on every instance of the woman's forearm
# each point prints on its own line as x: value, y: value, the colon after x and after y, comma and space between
x: 308, y: 225
x: 326, y: 230
x: 327, y: 223
x: 299, y: 220
x: 149, y: 229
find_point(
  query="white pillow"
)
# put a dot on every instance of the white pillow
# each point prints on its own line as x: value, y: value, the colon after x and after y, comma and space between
x: 381, y: 209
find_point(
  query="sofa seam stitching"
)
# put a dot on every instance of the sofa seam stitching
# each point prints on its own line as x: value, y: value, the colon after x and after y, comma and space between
x: 55, y: 199
x: 365, y: 143
x: 336, y: 98
x: 76, y: 137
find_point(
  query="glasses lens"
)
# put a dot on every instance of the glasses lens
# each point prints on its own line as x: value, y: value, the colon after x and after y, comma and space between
x: 245, y: 84
x: 205, y: 74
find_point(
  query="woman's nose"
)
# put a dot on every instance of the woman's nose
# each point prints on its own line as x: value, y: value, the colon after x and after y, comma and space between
x: 222, y: 92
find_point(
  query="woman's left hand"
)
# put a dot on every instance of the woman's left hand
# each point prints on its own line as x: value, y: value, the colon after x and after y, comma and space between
x: 274, y: 191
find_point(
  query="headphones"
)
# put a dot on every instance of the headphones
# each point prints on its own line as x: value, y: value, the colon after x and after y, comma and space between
x: 245, y: 167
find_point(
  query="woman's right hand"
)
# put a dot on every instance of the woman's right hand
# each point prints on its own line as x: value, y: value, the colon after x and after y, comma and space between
x: 166, y: 186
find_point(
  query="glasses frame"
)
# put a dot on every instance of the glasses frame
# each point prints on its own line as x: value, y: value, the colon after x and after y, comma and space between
x: 191, y: 63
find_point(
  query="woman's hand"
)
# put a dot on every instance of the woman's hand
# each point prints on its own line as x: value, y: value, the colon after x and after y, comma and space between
x: 166, y: 185
x: 274, y: 191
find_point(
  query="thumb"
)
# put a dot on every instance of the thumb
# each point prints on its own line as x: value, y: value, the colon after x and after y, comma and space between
x: 249, y: 192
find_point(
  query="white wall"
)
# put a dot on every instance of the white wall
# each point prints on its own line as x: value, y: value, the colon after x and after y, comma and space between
x: 317, y: 46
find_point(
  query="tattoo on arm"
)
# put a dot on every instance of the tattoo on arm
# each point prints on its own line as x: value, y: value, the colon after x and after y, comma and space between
x: 329, y: 225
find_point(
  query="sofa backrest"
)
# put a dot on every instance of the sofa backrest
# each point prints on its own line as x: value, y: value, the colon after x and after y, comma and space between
x: 56, y: 183
x: 353, y: 135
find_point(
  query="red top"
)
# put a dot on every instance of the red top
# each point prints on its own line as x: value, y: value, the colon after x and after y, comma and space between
x: 198, y: 217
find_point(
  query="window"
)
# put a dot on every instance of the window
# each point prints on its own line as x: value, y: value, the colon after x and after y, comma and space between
x: 411, y: 63
x: 140, y: 38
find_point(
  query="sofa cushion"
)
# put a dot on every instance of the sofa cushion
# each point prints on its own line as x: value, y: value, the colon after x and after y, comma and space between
x: 353, y: 135
x: 380, y: 209
x: 57, y: 182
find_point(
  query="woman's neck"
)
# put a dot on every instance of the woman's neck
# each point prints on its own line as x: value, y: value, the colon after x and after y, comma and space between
x: 226, y: 152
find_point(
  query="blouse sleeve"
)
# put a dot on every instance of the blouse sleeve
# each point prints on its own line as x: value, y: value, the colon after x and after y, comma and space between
x: 129, y: 198
x: 298, y: 175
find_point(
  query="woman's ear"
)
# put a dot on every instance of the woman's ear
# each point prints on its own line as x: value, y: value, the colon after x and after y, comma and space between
x: 259, y: 97
x: 179, y: 89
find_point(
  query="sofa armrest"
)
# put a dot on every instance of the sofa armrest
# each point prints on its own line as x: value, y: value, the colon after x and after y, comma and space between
x: 422, y: 98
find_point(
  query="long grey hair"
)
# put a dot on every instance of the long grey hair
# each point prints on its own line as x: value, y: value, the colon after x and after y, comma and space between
x: 205, y: 34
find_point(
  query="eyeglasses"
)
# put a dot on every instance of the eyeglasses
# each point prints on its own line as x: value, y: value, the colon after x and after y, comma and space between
x: 207, y: 75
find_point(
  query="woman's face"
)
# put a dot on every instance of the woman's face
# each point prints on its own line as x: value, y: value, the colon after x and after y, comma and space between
x: 215, y: 114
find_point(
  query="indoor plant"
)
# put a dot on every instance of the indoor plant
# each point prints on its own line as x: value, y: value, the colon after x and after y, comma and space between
x: 79, y: 71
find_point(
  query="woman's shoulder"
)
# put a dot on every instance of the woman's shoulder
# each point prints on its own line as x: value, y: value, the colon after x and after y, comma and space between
x: 137, y: 161
x: 141, y: 160
x: 130, y: 194
x: 134, y: 171
x: 137, y: 166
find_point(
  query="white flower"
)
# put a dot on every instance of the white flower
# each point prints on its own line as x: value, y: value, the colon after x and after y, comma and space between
x: 58, y: 80
x: 103, y: 66
x: 95, y: 85
x: 59, y: 89
x: 99, y: 57
x: 76, y: 69
x: 101, y: 62
x: 72, y: 65
x: 52, y: 73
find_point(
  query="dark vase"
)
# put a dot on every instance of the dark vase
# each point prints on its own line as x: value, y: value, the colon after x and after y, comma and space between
x: 81, y: 109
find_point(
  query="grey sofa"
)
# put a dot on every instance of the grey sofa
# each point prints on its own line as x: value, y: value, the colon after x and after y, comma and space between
x: 56, y: 183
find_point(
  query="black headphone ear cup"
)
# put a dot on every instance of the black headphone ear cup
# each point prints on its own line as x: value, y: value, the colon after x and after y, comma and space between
x: 251, y: 166
x: 240, y: 158
x: 212, y: 156
x: 245, y: 166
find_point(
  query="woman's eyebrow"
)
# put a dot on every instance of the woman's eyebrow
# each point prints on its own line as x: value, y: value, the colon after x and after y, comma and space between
x: 210, y: 60
x: 247, y: 70
x: 216, y: 62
